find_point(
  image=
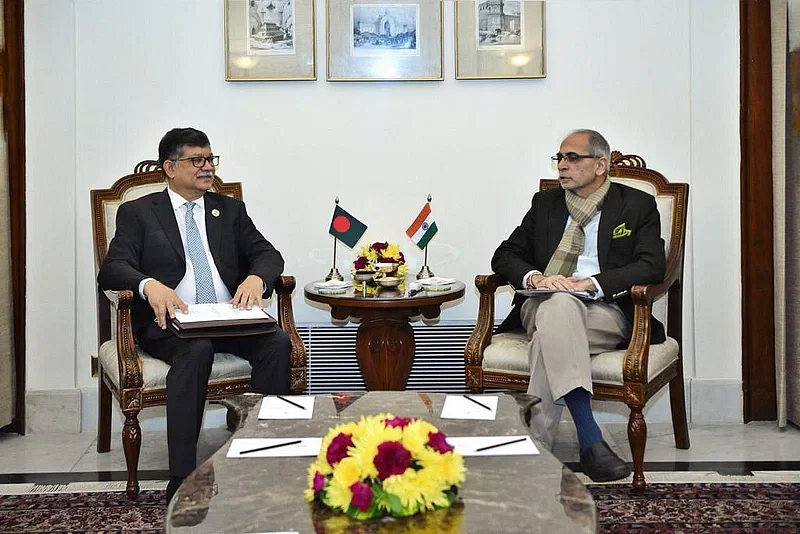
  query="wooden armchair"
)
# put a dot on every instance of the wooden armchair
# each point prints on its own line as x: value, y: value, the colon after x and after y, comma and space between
x: 633, y: 375
x: 136, y: 379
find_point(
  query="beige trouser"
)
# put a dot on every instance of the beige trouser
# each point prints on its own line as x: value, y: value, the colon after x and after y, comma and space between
x: 564, y: 332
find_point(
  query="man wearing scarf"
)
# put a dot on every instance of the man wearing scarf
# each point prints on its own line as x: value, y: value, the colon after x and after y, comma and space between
x: 588, y: 235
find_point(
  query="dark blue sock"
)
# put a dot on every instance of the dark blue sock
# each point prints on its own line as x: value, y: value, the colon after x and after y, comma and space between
x: 579, y: 402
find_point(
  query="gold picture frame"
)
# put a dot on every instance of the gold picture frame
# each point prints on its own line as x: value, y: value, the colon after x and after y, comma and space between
x: 496, y: 39
x: 384, y: 40
x: 270, y: 40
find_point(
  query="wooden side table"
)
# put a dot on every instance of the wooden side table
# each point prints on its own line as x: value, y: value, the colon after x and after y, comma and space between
x: 385, y: 340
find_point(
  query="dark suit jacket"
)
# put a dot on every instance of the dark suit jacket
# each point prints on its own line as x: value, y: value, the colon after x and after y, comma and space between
x: 148, y: 244
x: 638, y: 258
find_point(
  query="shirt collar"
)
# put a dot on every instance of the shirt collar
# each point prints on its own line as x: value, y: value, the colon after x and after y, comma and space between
x: 178, y: 201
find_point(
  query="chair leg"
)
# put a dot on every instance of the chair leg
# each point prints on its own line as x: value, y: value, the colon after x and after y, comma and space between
x: 677, y: 404
x: 637, y: 436
x: 131, y: 444
x: 103, y: 416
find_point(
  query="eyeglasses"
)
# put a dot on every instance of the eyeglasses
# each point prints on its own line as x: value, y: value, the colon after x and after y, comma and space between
x: 572, y: 157
x: 199, y: 161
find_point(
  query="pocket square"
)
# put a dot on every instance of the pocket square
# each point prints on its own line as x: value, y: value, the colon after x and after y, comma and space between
x: 620, y: 231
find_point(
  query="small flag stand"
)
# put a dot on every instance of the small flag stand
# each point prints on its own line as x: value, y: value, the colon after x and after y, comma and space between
x: 425, y: 271
x: 334, y: 273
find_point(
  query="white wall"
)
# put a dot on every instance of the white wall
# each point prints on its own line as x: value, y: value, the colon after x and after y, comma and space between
x: 658, y: 77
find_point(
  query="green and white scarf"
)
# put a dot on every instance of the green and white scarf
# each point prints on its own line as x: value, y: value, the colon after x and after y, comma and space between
x: 565, y: 258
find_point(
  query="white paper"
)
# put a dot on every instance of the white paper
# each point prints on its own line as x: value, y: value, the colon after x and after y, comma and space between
x: 468, y: 446
x: 276, y: 408
x: 460, y: 407
x: 437, y: 281
x: 306, y: 447
x: 223, y: 311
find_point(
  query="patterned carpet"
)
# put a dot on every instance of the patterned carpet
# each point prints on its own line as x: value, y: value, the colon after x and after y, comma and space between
x: 740, y: 508
x: 704, y: 507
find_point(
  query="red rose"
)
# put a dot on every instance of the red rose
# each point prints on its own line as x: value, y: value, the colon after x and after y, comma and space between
x: 436, y: 441
x: 380, y: 246
x: 360, y: 263
x: 337, y: 450
x: 392, y: 459
x: 399, y: 421
x: 319, y: 482
x: 402, y: 258
x: 362, y: 496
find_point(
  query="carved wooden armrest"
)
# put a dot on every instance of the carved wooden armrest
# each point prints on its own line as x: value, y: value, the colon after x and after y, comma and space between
x: 284, y: 288
x: 130, y: 365
x: 482, y: 334
x: 635, y: 366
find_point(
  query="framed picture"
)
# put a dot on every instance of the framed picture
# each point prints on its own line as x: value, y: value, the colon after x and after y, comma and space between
x: 384, y: 40
x: 499, y: 39
x: 270, y: 40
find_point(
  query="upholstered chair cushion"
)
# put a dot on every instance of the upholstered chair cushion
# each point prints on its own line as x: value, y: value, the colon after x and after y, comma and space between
x: 154, y: 371
x: 508, y: 353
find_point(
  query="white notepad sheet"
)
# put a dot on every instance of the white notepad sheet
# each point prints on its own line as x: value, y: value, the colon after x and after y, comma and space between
x: 461, y: 407
x: 306, y: 447
x: 468, y: 446
x: 273, y: 407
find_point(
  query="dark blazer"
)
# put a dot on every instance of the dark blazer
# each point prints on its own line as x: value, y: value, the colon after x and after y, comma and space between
x: 626, y: 260
x: 148, y: 244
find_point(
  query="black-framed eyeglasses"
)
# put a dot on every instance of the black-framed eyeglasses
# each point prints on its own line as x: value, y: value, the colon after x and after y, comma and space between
x: 199, y: 161
x: 572, y: 157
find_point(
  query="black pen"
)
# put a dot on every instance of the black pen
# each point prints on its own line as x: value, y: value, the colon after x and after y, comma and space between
x: 481, y: 449
x: 291, y: 402
x: 482, y: 405
x: 284, y: 444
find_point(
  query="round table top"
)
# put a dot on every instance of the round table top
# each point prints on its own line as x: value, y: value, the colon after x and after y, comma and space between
x: 385, y: 297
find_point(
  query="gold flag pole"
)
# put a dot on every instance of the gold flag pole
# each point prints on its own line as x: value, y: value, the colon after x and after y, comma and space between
x: 425, y: 272
x: 334, y: 273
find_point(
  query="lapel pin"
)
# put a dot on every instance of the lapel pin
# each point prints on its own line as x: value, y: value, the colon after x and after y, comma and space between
x: 215, y: 212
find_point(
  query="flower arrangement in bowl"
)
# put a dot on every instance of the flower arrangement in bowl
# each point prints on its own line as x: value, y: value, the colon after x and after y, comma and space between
x: 385, y: 465
x: 380, y: 259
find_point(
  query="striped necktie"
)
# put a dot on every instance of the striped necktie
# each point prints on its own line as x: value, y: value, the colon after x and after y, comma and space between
x: 203, y: 282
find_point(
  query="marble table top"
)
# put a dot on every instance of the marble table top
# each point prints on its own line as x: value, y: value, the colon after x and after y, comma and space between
x: 501, y: 494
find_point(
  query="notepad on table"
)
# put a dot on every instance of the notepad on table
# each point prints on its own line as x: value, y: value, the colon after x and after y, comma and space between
x: 470, y: 407
x: 494, y: 445
x: 286, y: 407
x: 274, y: 447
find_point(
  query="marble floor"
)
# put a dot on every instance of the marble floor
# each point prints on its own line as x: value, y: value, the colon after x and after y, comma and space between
x: 732, y: 450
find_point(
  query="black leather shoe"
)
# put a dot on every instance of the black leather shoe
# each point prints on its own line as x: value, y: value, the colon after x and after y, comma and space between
x: 172, y: 487
x: 601, y: 464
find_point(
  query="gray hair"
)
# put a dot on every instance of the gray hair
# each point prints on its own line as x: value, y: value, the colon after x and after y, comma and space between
x: 597, y: 143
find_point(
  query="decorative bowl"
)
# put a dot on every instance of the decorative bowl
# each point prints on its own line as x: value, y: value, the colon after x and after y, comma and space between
x: 389, y: 281
x: 363, y: 276
x: 386, y: 267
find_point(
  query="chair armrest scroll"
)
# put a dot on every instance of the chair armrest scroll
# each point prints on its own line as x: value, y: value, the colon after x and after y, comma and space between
x: 635, y: 367
x: 120, y: 299
x: 284, y: 287
x: 482, y: 334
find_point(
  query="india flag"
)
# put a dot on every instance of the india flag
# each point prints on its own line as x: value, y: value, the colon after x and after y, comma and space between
x: 423, y: 228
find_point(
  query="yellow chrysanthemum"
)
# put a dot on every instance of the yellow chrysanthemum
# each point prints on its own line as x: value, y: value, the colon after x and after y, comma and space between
x: 408, y: 488
x: 372, y: 432
x: 415, y: 436
x: 308, y: 494
x: 448, y: 467
x: 345, y: 475
x: 392, y: 251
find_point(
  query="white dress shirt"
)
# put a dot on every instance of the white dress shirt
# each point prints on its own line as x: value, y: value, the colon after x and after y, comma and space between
x: 186, y: 289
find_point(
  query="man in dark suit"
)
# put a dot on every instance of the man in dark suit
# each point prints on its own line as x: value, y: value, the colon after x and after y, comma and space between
x: 589, y: 235
x: 188, y: 245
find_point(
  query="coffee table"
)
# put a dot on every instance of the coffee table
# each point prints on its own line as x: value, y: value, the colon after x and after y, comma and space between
x: 385, y: 339
x: 501, y: 494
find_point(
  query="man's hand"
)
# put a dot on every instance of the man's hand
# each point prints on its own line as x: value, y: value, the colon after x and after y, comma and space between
x: 248, y: 293
x: 163, y: 300
x: 564, y: 283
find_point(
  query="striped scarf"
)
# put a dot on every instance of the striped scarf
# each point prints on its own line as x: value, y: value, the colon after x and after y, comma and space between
x: 565, y: 259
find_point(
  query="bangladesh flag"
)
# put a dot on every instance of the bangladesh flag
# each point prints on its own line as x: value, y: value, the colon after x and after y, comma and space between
x: 346, y: 228
x: 423, y: 228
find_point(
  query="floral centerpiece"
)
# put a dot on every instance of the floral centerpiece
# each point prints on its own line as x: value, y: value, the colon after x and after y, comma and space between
x: 378, y: 253
x: 385, y: 465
